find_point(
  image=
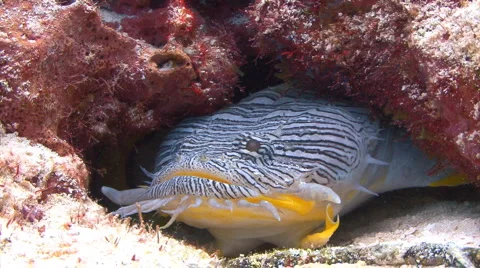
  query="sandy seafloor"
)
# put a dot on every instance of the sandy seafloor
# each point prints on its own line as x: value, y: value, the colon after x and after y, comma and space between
x: 436, y: 215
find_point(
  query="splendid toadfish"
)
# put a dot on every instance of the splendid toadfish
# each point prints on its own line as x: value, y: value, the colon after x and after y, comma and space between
x: 277, y: 168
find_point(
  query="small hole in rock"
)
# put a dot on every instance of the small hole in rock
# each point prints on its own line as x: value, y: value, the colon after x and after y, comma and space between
x: 64, y: 2
x: 154, y: 4
x: 169, y: 61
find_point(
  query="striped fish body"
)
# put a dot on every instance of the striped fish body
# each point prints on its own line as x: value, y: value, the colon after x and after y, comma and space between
x: 274, y: 168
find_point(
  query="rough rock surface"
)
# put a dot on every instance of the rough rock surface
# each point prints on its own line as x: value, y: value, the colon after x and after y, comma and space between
x: 36, y: 167
x: 70, y: 81
x: 79, y: 78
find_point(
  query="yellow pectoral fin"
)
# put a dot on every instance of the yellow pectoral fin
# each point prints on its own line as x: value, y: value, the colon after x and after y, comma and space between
x: 319, y: 239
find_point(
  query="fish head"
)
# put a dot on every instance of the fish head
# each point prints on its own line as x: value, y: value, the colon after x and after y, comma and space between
x: 242, y: 180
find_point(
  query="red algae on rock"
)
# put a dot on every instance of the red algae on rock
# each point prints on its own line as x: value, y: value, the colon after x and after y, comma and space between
x: 70, y: 81
x: 211, y: 48
x: 75, y: 75
x: 415, y: 60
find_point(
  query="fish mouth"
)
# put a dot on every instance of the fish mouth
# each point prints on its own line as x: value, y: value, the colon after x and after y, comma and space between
x: 204, y: 199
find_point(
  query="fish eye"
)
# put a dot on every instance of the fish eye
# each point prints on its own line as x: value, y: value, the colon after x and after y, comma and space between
x: 253, y: 145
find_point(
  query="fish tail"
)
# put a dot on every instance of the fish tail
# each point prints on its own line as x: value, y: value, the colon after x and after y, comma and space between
x: 454, y: 179
x: 411, y: 167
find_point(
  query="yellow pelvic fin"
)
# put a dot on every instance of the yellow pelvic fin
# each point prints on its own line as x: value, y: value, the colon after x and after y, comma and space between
x: 452, y: 180
x: 287, y: 201
x: 319, y: 239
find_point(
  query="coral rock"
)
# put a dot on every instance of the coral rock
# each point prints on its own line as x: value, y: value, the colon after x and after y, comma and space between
x: 70, y: 81
x: 36, y: 167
